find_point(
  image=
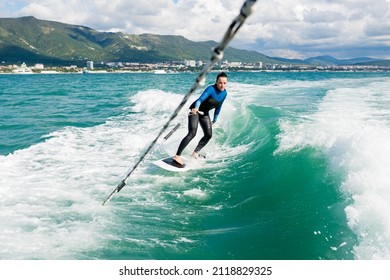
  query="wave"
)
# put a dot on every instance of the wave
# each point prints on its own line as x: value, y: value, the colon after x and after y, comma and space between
x: 351, y: 127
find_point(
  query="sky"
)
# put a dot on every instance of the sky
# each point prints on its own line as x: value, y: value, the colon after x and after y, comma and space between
x: 283, y: 28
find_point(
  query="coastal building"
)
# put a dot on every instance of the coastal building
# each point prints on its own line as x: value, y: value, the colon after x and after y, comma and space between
x: 39, y: 66
x: 90, y: 65
x: 190, y: 63
x: 259, y: 64
x: 22, y: 69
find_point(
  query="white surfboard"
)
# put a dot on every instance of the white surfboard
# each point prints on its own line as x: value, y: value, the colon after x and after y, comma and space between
x: 170, y: 165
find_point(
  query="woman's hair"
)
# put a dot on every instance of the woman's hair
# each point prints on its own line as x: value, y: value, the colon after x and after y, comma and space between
x: 222, y: 75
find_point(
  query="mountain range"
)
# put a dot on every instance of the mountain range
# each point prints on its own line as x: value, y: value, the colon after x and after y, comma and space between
x: 31, y: 40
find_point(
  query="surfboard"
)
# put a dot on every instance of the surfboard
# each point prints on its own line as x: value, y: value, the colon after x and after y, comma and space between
x: 170, y: 165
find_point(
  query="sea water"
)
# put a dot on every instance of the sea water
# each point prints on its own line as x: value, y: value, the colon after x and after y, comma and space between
x: 298, y: 168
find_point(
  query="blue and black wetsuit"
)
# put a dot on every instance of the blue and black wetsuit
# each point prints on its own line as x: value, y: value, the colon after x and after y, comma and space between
x: 211, y: 98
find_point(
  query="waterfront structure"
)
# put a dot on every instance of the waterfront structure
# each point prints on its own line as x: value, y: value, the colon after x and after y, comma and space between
x: 89, y: 65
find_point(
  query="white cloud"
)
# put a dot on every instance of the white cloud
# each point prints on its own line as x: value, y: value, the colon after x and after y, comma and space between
x: 340, y: 28
x: 298, y: 28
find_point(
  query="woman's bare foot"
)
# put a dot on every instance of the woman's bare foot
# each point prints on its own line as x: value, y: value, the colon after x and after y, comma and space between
x: 195, y: 155
x: 178, y: 159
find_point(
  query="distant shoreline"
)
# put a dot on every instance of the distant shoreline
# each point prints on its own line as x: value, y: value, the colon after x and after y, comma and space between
x: 194, y: 72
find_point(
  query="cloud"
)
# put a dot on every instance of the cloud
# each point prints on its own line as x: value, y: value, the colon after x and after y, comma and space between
x: 295, y: 28
x: 308, y: 28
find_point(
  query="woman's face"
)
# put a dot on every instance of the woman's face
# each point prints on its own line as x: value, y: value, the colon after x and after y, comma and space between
x: 221, y: 83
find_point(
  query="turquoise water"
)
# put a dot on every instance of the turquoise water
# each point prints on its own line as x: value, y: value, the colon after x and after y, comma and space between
x: 297, y: 168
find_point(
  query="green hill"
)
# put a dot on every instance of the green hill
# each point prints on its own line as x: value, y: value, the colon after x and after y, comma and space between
x: 31, y: 40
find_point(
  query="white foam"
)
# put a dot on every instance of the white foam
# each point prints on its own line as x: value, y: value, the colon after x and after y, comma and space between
x: 51, y: 194
x: 196, y: 194
x: 155, y: 101
x: 352, y: 127
x: 48, y: 200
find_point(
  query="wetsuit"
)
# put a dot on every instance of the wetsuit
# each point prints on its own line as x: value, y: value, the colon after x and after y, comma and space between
x: 211, y: 98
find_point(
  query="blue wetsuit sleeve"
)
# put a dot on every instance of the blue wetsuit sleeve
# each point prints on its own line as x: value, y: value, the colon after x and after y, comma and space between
x: 203, y: 97
x: 217, y: 111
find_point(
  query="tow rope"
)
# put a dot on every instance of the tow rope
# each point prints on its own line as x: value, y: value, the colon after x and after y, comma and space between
x: 217, y: 54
